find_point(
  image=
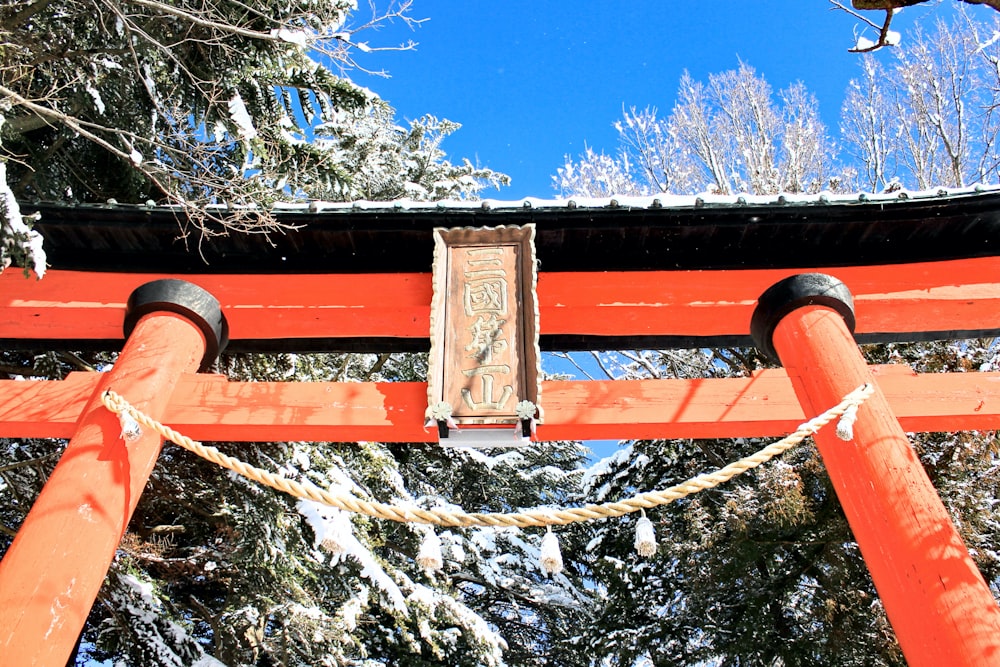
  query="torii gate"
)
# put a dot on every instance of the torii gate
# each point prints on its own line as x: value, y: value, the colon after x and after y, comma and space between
x: 804, y: 280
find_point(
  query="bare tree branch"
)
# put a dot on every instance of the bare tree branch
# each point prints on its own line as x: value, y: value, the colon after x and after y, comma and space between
x: 30, y: 462
x: 218, y: 107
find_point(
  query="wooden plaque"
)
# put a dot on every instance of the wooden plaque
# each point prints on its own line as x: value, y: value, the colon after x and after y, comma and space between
x: 484, y: 324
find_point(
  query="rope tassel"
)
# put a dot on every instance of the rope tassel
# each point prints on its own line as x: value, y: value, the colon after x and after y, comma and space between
x: 131, y: 431
x: 645, y: 537
x: 429, y: 556
x: 550, y: 556
x: 845, y: 426
x: 337, y: 533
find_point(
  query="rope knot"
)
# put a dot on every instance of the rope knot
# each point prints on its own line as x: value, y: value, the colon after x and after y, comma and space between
x: 845, y: 427
x: 131, y: 430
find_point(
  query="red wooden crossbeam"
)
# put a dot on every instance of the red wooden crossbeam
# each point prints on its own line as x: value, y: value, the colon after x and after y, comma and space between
x: 950, y: 296
x: 208, y: 407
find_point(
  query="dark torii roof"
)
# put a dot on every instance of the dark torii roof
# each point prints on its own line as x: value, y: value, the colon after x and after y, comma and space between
x: 622, y: 234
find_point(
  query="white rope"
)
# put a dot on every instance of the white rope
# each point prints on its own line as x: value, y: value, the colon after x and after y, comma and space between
x: 534, y: 517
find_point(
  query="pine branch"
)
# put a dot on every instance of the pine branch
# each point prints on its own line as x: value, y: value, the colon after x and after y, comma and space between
x: 76, y: 361
x: 230, y: 28
x: 17, y: 20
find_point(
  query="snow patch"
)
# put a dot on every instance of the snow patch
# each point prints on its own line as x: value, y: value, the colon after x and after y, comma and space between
x: 241, y: 117
x: 863, y: 43
x: 96, y: 96
x: 320, y: 519
x: 989, y: 42
x: 15, y: 234
x: 297, y: 37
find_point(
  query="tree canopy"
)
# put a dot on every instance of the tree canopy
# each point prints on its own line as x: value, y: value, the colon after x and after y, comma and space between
x: 923, y: 117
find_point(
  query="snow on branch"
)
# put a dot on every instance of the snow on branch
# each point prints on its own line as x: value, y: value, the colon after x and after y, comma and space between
x: 887, y: 37
x: 19, y: 243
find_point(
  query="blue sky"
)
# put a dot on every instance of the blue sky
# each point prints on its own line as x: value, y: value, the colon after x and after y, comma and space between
x: 532, y: 81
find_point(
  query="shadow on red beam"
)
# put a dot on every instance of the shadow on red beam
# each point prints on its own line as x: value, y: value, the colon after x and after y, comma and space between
x: 210, y: 408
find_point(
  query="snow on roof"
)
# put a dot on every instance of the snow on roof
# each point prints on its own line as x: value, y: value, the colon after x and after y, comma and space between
x: 670, y: 201
x: 658, y: 201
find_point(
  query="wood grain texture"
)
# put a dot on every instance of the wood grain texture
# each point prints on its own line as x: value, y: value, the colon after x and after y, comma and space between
x: 208, y: 407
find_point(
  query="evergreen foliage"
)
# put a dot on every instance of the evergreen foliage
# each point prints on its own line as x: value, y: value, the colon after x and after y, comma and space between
x: 202, y: 105
x: 215, y: 567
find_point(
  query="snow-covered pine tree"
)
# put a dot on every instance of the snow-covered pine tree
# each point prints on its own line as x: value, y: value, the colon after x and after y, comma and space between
x: 217, y: 103
x: 198, y: 104
x: 764, y: 570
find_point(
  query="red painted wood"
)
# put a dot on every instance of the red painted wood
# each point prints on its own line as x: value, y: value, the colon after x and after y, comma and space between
x: 73, y: 304
x: 207, y: 407
x: 937, y: 601
x: 951, y: 295
x: 961, y: 294
x: 56, y: 564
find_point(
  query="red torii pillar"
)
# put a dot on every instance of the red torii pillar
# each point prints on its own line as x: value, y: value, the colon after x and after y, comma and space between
x: 54, y: 569
x: 934, y: 595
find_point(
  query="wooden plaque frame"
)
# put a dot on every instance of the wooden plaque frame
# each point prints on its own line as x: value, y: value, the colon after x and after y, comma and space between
x: 484, y: 359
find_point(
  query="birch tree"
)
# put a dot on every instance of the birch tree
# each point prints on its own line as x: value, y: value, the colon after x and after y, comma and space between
x: 927, y: 117
x: 866, y: 126
x: 726, y: 136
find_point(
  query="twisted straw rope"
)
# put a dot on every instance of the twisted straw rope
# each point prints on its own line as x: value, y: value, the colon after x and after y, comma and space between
x: 534, y: 517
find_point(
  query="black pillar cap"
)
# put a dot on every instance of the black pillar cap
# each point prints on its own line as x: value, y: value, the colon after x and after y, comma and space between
x: 805, y: 289
x: 183, y: 298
